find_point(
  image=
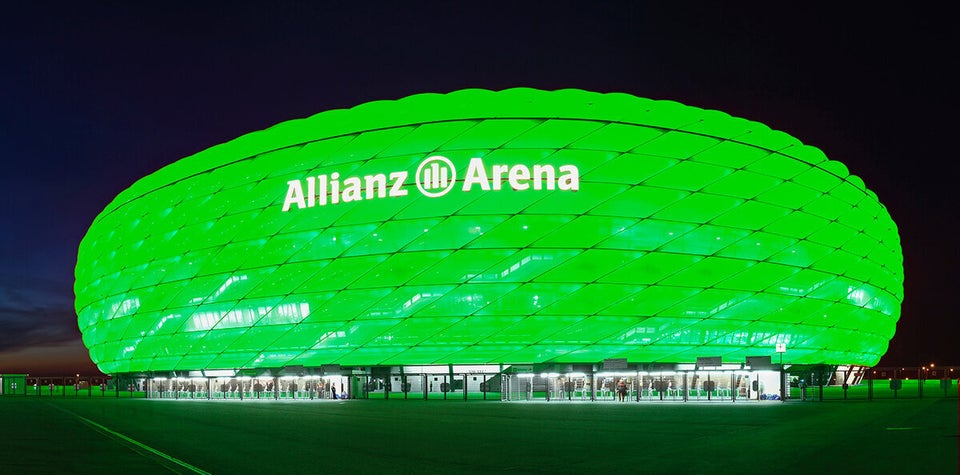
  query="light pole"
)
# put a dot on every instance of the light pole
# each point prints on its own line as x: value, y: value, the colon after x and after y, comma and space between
x: 921, y: 375
x: 781, y: 348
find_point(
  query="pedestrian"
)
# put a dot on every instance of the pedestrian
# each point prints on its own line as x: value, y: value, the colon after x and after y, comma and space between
x: 622, y: 389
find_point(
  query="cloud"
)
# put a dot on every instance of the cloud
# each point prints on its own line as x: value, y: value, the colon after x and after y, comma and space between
x: 35, y: 312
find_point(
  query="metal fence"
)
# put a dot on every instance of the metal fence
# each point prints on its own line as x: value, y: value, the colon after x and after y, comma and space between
x: 886, y: 383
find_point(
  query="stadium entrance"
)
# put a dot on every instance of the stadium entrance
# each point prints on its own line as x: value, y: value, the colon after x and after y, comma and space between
x: 665, y: 385
x: 634, y: 382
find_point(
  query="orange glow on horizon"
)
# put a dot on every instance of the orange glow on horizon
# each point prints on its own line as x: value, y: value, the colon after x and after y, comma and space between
x: 51, y: 360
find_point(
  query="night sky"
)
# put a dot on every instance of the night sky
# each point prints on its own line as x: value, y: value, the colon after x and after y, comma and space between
x: 95, y: 95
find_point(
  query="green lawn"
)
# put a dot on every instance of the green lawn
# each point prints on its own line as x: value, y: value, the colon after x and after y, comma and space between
x: 87, y: 435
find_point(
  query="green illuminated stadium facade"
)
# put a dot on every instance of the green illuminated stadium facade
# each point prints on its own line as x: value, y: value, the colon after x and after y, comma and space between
x: 519, y: 227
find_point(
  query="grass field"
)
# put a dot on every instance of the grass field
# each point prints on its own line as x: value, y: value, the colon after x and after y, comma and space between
x: 104, y: 435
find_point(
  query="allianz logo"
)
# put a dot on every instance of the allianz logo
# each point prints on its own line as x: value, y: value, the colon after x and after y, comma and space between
x: 435, y: 177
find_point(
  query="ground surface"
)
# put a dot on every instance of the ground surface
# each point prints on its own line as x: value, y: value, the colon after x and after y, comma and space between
x: 106, y: 435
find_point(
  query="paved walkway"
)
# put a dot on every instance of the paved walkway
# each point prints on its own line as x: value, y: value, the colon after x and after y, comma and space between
x: 415, y: 436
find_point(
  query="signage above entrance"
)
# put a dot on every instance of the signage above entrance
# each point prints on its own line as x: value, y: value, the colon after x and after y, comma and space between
x: 614, y: 363
x: 707, y: 361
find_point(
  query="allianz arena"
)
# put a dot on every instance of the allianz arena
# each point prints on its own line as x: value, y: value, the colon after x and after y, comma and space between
x: 460, y: 243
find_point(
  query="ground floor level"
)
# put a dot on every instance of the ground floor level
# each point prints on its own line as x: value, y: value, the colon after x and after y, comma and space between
x: 633, y: 382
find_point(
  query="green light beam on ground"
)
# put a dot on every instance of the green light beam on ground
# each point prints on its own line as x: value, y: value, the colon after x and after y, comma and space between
x: 136, y: 443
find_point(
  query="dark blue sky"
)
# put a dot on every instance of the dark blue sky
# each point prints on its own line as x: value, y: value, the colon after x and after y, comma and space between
x: 95, y: 95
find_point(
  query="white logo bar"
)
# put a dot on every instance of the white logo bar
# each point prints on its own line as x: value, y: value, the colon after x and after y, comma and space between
x: 435, y: 176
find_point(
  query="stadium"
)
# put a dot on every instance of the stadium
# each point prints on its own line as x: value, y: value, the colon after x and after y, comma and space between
x: 517, y: 244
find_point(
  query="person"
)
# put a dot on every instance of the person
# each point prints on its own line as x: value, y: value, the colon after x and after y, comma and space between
x: 333, y: 389
x: 622, y: 390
